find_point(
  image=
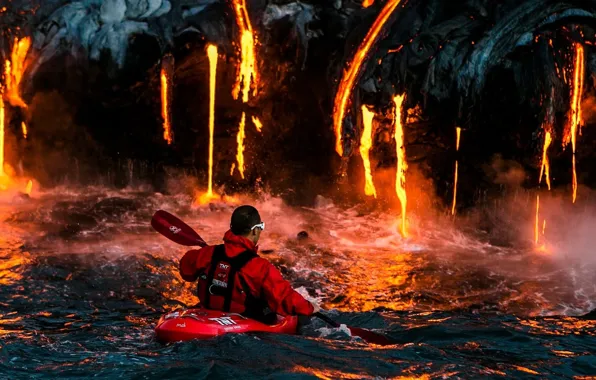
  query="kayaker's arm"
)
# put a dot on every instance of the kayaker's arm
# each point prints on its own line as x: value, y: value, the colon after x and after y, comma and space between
x: 190, y: 264
x: 280, y: 296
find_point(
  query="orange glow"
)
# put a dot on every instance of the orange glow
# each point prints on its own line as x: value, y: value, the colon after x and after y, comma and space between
x: 350, y: 75
x: 247, y: 70
x: 1, y: 135
x: 29, y: 187
x: 24, y: 129
x: 576, y: 113
x: 165, y: 106
x: 402, y: 166
x: 367, y: 3
x: 454, y: 203
x: 240, y: 140
x: 537, y: 219
x: 545, y: 168
x: 365, y: 145
x: 257, y: 123
x: 212, y: 54
x: 14, y: 70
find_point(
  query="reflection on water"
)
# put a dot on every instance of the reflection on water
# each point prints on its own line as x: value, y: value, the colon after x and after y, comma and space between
x: 83, y: 279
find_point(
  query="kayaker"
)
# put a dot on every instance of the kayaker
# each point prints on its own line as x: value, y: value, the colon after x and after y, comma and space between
x: 233, y: 278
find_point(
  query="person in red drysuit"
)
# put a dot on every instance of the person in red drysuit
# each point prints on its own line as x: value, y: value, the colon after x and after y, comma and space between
x: 233, y: 278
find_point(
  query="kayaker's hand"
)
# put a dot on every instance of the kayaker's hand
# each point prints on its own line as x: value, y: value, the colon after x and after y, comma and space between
x: 316, y: 307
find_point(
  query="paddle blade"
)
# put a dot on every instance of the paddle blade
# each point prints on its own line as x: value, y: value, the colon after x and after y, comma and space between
x: 176, y: 230
x: 370, y: 336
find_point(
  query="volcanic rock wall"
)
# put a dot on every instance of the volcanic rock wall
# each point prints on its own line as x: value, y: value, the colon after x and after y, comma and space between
x: 496, y: 69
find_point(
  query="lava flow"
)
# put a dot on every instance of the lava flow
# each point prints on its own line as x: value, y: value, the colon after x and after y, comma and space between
x: 14, y: 70
x: 24, y: 129
x: 545, y: 167
x: 165, y: 103
x: 351, y: 74
x: 257, y: 123
x: 240, y: 140
x: 402, y: 166
x: 367, y: 3
x: 576, y: 114
x: 247, y: 75
x: 458, y: 135
x: 247, y: 70
x: 212, y: 54
x: 365, y: 145
x: 1, y: 133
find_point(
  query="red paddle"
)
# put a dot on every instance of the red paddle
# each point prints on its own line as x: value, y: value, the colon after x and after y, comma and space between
x: 177, y: 231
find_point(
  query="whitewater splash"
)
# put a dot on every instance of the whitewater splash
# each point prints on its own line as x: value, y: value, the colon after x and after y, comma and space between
x: 347, y: 259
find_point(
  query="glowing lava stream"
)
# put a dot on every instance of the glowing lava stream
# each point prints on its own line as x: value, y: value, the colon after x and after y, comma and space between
x: 212, y: 54
x: 246, y: 75
x: 24, y: 129
x: 365, y: 145
x: 351, y: 74
x: 545, y: 167
x: 14, y: 70
x: 29, y: 187
x: 247, y: 70
x: 257, y: 123
x: 165, y: 105
x: 1, y: 134
x: 402, y: 166
x: 576, y: 113
x: 367, y: 3
x: 240, y: 140
x: 537, y: 219
x: 458, y: 135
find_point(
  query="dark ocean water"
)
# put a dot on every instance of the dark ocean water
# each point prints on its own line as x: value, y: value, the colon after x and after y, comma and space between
x: 83, y: 281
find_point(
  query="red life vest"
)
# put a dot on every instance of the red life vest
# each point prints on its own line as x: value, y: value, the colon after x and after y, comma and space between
x: 218, y: 289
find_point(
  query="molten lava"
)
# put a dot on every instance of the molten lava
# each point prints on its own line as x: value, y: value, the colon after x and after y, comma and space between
x: 165, y: 106
x: 545, y: 168
x: 257, y: 123
x: 367, y: 3
x: 1, y: 133
x: 24, y: 129
x: 402, y: 166
x: 537, y: 219
x: 457, y: 137
x: 240, y: 140
x: 365, y: 145
x: 14, y: 70
x: 576, y: 113
x: 212, y: 54
x: 349, y: 77
x: 29, y: 187
x: 246, y: 74
x: 247, y: 70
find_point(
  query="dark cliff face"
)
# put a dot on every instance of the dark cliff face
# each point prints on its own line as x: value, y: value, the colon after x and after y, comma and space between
x: 497, y: 69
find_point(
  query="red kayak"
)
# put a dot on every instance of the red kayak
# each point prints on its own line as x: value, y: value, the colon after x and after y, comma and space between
x: 182, y: 325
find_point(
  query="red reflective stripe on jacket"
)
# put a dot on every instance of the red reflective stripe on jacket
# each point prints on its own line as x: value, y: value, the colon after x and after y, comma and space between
x: 261, y: 277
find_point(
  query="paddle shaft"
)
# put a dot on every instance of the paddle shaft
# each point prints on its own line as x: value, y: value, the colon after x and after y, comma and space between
x: 326, y: 319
